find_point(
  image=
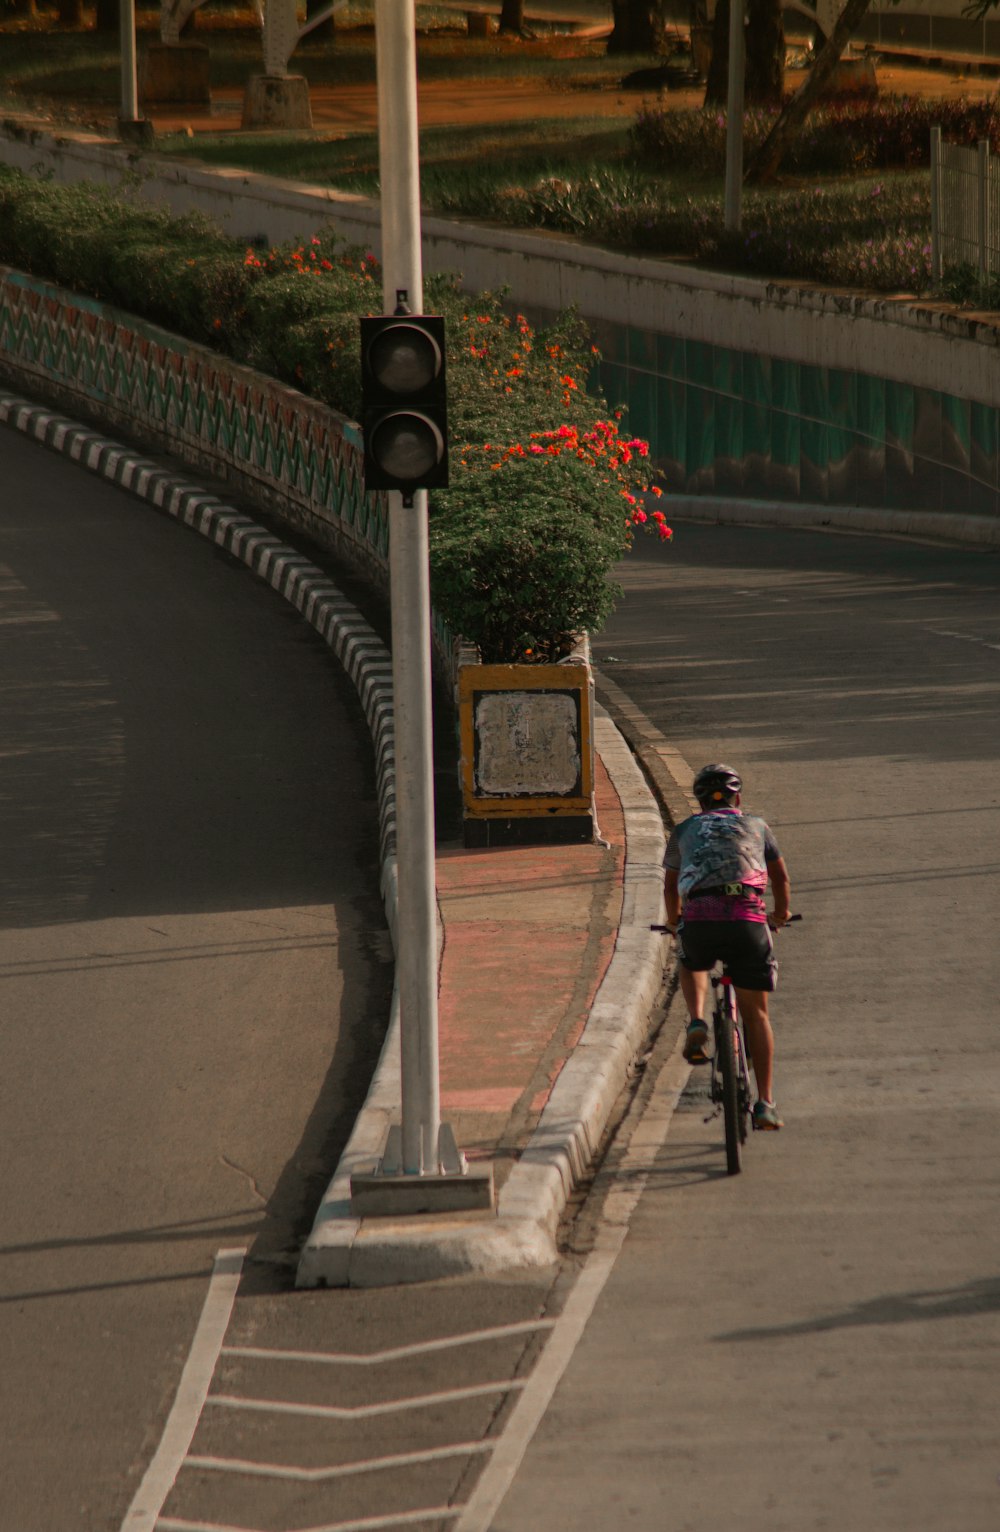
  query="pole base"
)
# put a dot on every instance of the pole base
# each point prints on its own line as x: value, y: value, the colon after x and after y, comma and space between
x: 138, y: 131
x: 277, y: 101
x: 387, y: 1191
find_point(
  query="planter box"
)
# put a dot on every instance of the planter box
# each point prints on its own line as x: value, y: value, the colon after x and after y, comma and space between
x: 527, y: 744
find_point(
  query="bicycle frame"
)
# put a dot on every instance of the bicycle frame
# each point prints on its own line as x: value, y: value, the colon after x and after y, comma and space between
x: 730, y: 1079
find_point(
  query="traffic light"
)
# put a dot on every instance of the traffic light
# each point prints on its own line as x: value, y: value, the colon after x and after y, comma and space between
x: 404, y: 406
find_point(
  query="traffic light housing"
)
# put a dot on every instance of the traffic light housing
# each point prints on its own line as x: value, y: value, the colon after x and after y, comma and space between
x: 404, y: 402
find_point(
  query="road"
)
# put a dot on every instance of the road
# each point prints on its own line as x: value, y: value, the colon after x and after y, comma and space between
x: 196, y: 981
x: 815, y: 1343
x: 195, y: 968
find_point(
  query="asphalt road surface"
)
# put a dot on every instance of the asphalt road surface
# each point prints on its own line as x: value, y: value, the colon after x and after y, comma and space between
x: 195, y: 968
x: 816, y: 1343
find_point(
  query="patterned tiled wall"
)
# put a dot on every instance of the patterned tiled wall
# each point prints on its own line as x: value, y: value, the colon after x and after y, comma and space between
x: 730, y: 422
x: 288, y: 453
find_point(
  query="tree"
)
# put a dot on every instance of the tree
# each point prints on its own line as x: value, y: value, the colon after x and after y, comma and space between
x: 765, y: 54
x: 766, y: 161
x: 512, y: 16
x: 326, y: 31
x: 639, y: 26
x: 107, y: 15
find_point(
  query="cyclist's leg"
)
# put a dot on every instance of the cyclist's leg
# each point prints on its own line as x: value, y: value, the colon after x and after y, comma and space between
x: 760, y: 1039
x: 694, y: 988
x: 696, y: 958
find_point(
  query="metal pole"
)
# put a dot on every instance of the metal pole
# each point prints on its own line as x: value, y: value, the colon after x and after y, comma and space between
x: 983, y: 168
x: 130, y: 84
x: 734, y: 115
x: 409, y: 584
x: 936, y: 204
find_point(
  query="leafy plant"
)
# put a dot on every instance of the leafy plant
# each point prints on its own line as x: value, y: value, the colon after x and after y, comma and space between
x: 523, y: 541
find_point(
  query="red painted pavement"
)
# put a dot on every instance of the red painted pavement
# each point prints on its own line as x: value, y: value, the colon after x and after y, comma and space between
x: 529, y: 933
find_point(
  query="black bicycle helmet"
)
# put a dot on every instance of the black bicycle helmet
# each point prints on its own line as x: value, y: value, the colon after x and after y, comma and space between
x: 716, y: 784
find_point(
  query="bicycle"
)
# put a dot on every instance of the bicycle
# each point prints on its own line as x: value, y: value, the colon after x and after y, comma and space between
x: 729, y: 1085
x: 729, y: 1082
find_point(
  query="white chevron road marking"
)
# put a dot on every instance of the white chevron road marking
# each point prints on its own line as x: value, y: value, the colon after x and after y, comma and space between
x: 363, y: 1411
x: 393, y: 1353
x: 341, y: 1470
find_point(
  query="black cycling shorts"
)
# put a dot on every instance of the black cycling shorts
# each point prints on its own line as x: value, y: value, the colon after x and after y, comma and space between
x: 743, y: 945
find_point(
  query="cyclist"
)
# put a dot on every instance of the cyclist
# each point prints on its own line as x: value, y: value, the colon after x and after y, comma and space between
x: 717, y: 867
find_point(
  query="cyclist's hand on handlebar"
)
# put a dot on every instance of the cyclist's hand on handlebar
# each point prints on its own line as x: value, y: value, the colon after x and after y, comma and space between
x: 778, y: 922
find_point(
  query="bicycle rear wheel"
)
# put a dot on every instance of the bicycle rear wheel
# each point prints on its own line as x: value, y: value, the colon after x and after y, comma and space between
x: 725, y: 1052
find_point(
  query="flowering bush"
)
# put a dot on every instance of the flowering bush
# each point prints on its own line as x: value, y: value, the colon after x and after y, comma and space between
x: 520, y: 548
x: 523, y: 541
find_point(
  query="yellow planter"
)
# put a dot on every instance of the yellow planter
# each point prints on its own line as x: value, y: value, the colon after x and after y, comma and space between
x: 527, y: 743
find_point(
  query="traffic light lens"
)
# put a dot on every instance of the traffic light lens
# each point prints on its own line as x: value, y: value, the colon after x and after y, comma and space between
x: 404, y: 359
x: 407, y: 446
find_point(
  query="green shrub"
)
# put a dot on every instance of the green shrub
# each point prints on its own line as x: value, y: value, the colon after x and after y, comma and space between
x: 865, y: 234
x: 545, y: 491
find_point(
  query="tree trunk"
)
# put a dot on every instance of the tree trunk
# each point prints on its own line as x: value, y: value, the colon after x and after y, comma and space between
x: 717, y: 79
x: 512, y: 16
x: 326, y: 31
x: 107, y: 15
x: 639, y: 26
x: 764, y: 81
x: 765, y: 77
x: 766, y: 161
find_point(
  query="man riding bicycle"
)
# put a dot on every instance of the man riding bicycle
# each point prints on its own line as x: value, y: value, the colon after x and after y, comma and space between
x: 717, y: 867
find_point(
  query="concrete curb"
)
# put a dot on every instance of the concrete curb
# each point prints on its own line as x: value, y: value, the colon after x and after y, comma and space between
x: 341, y: 1251
x: 932, y: 526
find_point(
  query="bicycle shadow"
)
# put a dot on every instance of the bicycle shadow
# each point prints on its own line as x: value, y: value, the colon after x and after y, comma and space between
x: 981, y: 1296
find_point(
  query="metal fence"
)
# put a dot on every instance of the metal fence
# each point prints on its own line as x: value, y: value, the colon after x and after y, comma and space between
x: 965, y: 207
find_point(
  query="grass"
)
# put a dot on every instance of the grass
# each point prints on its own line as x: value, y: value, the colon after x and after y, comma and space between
x: 583, y: 176
x: 463, y: 166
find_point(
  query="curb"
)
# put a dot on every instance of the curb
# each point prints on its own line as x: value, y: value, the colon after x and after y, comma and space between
x: 341, y: 1250
x: 345, y: 1252
x: 932, y: 526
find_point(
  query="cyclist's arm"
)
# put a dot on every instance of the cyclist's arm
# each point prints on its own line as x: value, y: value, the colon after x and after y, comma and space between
x: 782, y: 888
x: 671, y: 895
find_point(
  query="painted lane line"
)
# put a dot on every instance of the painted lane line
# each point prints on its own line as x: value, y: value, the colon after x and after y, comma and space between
x: 363, y: 1411
x: 394, y: 1353
x: 341, y: 1470
x: 369, y: 1524
x: 192, y: 1391
x: 628, y: 1181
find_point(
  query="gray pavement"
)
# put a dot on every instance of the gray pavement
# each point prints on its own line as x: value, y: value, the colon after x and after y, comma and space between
x: 196, y: 972
x: 815, y: 1343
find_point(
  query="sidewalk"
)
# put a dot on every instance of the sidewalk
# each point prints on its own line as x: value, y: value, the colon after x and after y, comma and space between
x: 549, y: 984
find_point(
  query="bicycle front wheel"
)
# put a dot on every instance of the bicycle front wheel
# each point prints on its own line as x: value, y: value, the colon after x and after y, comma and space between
x: 725, y: 1049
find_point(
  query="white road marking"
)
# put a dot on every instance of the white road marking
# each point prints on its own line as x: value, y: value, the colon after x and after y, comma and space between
x: 394, y: 1353
x: 369, y: 1524
x: 342, y: 1470
x: 362, y: 1411
x: 630, y: 1181
x: 966, y: 638
x: 192, y: 1390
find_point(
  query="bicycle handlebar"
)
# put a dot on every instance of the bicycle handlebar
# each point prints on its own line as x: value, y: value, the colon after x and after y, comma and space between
x: 669, y: 930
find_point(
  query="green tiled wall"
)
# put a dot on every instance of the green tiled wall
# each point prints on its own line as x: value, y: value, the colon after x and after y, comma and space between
x: 725, y: 421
